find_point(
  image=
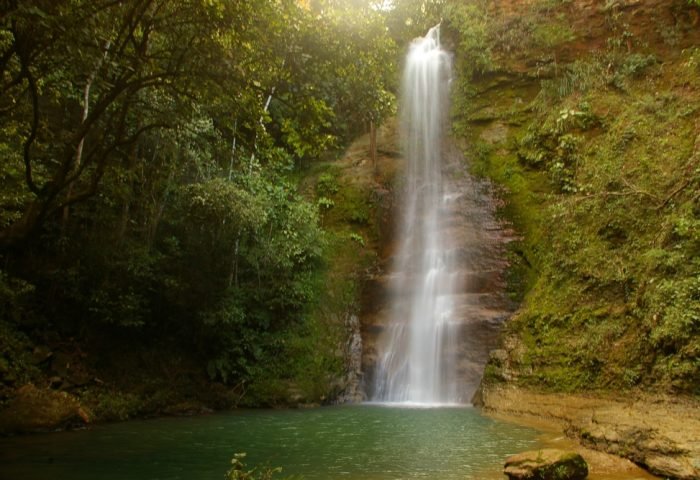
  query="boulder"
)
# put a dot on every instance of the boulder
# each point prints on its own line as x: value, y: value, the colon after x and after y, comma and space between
x: 41, y: 355
x: 38, y: 409
x: 546, y: 464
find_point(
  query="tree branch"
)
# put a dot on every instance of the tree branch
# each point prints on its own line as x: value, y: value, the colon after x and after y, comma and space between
x: 692, y: 161
x: 638, y: 190
x: 101, y: 166
x: 27, y: 147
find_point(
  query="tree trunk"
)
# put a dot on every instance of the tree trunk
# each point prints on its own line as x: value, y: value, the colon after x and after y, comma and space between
x: 126, y: 207
x: 373, y: 144
x: 86, y: 111
x: 17, y: 232
x: 124, y: 222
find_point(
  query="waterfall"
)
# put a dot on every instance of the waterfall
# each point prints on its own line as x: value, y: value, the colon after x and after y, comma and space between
x: 417, y: 351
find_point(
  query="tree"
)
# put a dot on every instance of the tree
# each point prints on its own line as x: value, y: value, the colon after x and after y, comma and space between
x: 84, y: 80
x: 172, y: 130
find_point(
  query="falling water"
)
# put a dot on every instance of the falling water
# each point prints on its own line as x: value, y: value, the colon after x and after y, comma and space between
x: 417, y: 361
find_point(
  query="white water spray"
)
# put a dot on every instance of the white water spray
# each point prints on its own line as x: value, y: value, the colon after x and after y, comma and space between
x: 417, y: 362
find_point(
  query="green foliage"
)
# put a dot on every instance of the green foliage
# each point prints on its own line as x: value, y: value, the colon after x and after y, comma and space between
x: 607, y: 264
x: 297, y: 81
x: 266, y: 244
x: 356, y: 69
x: 112, y: 406
x: 554, y: 149
x: 409, y: 19
x: 14, y: 297
x: 308, y: 365
x: 598, y: 71
x: 471, y: 23
x: 327, y: 184
x: 178, y: 222
x: 353, y: 205
x: 552, y: 33
x: 357, y: 238
x: 238, y: 470
x: 17, y: 364
x: 636, y: 63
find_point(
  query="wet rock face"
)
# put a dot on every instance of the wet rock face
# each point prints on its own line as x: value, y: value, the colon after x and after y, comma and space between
x: 547, y: 464
x: 351, y: 384
x: 476, y: 241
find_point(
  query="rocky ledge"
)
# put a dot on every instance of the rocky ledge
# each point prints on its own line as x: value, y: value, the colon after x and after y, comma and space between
x: 40, y: 410
x: 661, y: 434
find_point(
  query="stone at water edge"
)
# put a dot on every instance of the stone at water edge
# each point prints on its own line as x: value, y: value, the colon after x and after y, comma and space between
x: 35, y: 409
x: 546, y: 464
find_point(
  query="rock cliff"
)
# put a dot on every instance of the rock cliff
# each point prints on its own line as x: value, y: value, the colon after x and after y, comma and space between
x: 586, y: 114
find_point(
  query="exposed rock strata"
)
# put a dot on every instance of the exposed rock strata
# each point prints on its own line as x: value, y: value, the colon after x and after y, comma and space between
x: 476, y: 240
x: 351, y: 387
x: 661, y: 434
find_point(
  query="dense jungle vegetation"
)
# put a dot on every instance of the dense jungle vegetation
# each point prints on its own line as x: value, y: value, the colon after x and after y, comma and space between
x: 173, y: 232
x: 155, y: 246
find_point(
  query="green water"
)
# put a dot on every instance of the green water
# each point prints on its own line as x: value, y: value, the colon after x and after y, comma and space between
x: 354, y: 442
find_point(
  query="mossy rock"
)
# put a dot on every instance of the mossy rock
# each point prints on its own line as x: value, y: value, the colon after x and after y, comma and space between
x: 36, y: 410
x: 546, y: 464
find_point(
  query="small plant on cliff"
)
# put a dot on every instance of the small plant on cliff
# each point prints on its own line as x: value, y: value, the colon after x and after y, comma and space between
x: 327, y: 184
